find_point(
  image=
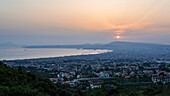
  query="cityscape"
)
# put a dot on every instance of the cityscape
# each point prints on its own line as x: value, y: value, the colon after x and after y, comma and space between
x: 84, y: 48
x: 116, y: 70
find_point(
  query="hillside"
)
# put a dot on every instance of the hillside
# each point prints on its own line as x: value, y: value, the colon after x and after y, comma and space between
x: 16, y: 82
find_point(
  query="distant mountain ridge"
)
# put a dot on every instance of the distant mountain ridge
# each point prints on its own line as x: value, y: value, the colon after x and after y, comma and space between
x: 124, y: 51
x: 8, y: 44
x: 112, y: 45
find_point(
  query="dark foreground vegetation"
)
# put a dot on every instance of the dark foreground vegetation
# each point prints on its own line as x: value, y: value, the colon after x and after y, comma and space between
x: 17, y: 82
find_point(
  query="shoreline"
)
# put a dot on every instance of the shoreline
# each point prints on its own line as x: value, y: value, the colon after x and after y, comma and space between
x: 62, y: 56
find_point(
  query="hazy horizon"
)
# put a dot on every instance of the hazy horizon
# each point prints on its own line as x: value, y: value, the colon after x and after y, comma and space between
x: 42, y: 22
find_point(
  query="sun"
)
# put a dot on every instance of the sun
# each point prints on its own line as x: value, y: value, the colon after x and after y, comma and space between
x: 117, y: 37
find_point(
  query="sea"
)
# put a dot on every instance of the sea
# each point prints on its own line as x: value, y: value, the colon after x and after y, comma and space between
x: 15, y: 53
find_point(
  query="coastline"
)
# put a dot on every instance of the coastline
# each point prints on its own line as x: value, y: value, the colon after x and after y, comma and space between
x: 82, y: 52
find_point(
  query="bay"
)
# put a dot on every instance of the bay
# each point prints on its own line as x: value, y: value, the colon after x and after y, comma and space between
x: 11, y: 53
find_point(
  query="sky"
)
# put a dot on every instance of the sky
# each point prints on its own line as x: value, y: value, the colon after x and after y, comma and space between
x: 47, y: 22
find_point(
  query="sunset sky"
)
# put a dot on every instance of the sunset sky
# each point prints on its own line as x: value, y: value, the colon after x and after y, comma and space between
x: 33, y: 22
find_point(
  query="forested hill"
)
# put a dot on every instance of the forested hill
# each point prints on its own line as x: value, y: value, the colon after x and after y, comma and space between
x: 16, y: 82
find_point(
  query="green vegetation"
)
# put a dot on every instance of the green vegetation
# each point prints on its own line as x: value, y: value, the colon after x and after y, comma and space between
x: 102, y: 92
x: 16, y: 82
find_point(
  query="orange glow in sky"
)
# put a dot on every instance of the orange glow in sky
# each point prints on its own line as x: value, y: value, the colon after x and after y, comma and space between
x: 117, y: 37
x: 127, y: 20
